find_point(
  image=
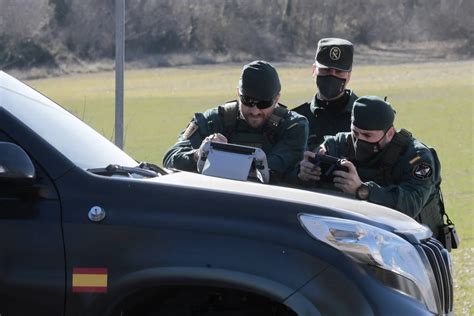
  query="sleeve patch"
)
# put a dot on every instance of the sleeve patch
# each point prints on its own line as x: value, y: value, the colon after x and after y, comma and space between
x: 422, y: 171
x: 190, y: 130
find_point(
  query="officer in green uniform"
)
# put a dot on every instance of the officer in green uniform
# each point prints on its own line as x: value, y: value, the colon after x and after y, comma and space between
x: 255, y: 119
x: 384, y: 166
x: 329, y: 112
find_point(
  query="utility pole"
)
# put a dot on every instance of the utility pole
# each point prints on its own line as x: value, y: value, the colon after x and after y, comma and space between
x: 119, y: 69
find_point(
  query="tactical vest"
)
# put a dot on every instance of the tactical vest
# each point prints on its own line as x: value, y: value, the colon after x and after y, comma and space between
x: 433, y: 211
x: 327, y: 121
x: 229, y: 114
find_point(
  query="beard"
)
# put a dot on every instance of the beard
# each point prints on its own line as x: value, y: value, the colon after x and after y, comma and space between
x: 255, y: 120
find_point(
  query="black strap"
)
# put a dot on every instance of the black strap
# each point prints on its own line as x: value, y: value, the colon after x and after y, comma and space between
x: 397, y: 147
x: 275, y: 120
x: 229, y: 113
x: 442, y: 209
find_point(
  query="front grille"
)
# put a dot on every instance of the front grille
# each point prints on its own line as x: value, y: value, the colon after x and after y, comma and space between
x: 437, y: 257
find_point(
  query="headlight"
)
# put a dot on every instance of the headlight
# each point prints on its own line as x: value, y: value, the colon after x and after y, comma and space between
x: 370, y: 245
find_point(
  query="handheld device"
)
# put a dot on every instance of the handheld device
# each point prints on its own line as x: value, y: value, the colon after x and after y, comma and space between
x: 328, y: 165
x: 234, y: 161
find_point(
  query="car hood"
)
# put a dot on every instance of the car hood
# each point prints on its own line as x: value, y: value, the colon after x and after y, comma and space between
x: 350, y: 207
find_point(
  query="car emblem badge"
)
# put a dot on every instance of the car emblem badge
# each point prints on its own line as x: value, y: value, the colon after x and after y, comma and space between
x: 335, y: 53
x: 96, y: 214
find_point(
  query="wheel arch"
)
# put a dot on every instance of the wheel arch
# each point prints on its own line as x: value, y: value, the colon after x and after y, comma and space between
x: 200, y: 276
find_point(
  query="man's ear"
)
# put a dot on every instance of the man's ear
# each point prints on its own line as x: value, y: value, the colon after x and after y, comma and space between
x: 390, y: 133
x: 314, y: 70
x: 348, y: 77
x: 277, y: 98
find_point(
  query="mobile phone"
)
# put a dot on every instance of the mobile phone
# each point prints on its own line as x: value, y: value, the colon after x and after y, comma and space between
x: 328, y: 165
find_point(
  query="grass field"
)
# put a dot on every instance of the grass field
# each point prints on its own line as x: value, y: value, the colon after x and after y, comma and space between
x: 435, y: 101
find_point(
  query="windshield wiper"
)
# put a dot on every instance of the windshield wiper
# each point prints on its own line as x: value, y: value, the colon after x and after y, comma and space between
x: 122, y: 170
x: 152, y: 167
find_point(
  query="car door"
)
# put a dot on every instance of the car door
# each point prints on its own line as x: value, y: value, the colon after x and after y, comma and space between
x: 32, y: 267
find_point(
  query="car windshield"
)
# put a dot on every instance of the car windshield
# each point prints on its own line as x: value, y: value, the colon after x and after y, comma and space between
x: 69, y: 135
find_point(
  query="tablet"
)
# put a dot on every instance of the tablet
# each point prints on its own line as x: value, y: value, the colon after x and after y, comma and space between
x: 234, y: 161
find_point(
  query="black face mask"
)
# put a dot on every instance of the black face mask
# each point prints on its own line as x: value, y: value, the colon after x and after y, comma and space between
x: 330, y: 86
x: 365, y: 150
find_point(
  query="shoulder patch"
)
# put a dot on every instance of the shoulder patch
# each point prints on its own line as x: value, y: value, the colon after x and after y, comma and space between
x: 422, y: 171
x: 190, y: 130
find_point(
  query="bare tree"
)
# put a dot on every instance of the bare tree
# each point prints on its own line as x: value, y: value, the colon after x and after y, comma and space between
x: 24, y: 18
x: 42, y: 31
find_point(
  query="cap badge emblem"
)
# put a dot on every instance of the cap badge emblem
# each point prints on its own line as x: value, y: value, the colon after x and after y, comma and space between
x: 335, y: 53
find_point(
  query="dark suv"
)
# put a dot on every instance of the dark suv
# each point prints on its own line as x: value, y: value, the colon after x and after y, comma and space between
x: 87, y: 230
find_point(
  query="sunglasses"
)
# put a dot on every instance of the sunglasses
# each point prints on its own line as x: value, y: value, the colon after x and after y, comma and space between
x: 251, y: 102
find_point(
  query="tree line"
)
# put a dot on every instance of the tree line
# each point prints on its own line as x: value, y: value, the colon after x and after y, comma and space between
x: 54, y: 32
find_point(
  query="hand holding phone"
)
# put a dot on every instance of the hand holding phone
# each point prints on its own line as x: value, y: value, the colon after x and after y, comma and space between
x: 328, y: 165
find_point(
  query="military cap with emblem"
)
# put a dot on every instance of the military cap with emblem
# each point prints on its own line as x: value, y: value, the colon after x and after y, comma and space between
x: 372, y: 113
x: 259, y: 80
x: 335, y: 53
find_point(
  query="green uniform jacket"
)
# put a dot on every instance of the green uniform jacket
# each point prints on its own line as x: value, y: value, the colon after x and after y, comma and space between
x: 413, y: 178
x: 324, y: 121
x: 284, y: 147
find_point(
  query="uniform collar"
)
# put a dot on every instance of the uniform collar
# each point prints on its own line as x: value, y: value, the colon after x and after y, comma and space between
x: 339, y: 106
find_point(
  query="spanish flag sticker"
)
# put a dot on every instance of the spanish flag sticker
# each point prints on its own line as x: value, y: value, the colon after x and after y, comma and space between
x: 89, y: 280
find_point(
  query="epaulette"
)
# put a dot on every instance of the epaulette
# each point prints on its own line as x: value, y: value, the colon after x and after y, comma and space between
x: 302, y: 108
x: 278, y: 116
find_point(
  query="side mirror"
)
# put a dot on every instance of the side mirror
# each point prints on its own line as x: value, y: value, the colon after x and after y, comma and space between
x: 16, y: 167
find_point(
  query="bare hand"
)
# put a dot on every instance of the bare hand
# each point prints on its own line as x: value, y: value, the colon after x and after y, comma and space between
x: 348, y: 182
x: 216, y: 137
x: 308, y: 171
